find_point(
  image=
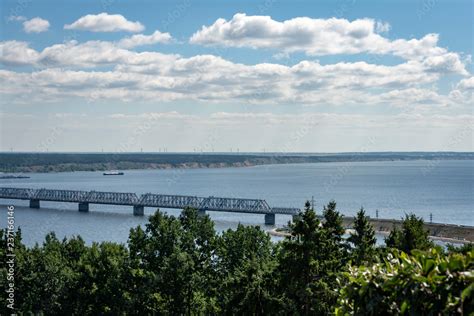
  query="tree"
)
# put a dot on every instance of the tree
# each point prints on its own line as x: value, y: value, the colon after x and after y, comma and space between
x: 48, y: 278
x: 333, y: 221
x: 73, y: 252
x: 336, y: 246
x: 172, y: 264
x: 246, y: 263
x: 101, y: 282
x: 363, y: 239
x: 413, y: 235
x: 424, y: 283
x: 306, y: 270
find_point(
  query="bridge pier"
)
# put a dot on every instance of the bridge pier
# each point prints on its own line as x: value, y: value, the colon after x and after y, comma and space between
x: 138, y: 210
x: 83, y: 207
x: 201, y: 213
x: 34, y: 203
x: 270, y: 219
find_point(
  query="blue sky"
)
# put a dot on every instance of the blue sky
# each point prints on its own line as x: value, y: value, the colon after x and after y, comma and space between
x: 276, y: 75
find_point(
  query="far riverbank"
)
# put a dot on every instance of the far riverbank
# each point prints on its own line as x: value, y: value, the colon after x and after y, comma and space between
x: 70, y: 162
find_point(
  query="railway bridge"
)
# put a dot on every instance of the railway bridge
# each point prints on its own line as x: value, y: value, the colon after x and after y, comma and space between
x: 202, y: 204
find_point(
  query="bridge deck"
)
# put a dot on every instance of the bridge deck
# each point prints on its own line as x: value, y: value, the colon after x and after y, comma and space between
x: 147, y: 200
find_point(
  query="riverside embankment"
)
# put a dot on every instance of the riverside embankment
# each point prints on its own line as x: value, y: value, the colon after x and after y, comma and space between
x: 438, y: 231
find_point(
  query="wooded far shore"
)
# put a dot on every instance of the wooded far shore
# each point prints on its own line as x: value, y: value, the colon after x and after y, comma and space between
x: 67, y: 162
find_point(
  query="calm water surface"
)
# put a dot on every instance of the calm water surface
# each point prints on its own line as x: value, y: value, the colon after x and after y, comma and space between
x: 443, y: 188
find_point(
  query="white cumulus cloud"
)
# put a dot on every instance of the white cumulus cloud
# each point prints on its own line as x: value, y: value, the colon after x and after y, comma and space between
x: 36, y: 25
x: 466, y: 84
x: 141, y: 39
x: 105, y: 22
x: 16, y: 53
x: 317, y: 37
x: 463, y: 92
x: 312, y: 36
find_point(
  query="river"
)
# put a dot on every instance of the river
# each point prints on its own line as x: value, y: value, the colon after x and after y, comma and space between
x: 442, y: 188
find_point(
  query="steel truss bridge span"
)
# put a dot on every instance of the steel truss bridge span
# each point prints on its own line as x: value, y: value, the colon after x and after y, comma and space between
x: 202, y: 204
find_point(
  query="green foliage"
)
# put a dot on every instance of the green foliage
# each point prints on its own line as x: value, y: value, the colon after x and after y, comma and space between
x: 20, y: 258
x: 333, y: 221
x: 413, y: 235
x: 102, y: 272
x: 68, y: 277
x: 246, y: 263
x: 172, y: 263
x: 424, y: 283
x: 309, y: 260
x: 464, y: 249
x: 47, y: 277
x: 180, y: 265
x: 363, y: 240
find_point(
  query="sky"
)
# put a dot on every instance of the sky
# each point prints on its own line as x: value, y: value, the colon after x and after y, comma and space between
x: 247, y: 76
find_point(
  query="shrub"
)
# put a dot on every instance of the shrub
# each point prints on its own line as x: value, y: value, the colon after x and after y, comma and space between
x: 424, y: 283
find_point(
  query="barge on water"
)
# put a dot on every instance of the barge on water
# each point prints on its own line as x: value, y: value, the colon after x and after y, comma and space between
x: 113, y: 173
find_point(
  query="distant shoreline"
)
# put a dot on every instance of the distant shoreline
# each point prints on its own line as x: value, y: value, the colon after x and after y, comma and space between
x: 46, y: 163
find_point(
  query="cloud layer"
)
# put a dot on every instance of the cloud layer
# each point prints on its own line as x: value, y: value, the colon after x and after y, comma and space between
x: 106, y: 70
x: 406, y: 104
x: 76, y: 69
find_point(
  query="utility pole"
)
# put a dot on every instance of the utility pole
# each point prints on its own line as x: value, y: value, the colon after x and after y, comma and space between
x: 312, y: 202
